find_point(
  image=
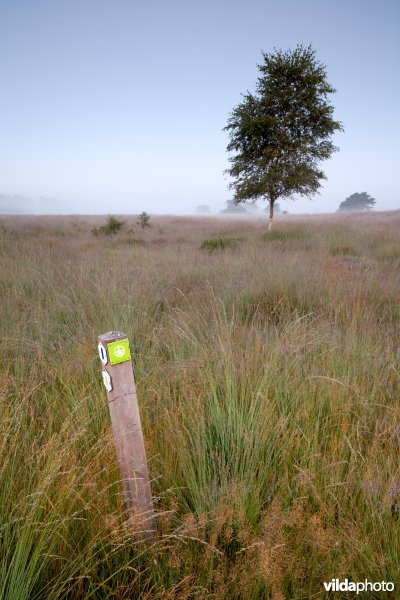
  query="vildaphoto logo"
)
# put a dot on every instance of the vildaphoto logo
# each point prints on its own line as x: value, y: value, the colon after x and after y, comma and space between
x: 358, y: 586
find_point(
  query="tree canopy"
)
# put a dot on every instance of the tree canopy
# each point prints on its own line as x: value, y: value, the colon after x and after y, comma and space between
x: 357, y: 202
x: 280, y: 133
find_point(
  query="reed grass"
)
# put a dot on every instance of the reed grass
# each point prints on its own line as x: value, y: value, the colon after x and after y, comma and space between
x: 268, y: 382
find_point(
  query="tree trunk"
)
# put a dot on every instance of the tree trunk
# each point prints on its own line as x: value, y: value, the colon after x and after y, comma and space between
x: 271, y: 215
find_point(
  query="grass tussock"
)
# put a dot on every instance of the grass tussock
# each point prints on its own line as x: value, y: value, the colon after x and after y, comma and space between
x: 268, y: 383
x: 286, y: 233
x: 219, y: 243
x: 343, y: 249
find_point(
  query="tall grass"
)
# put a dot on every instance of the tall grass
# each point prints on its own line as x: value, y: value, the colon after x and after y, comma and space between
x: 268, y: 383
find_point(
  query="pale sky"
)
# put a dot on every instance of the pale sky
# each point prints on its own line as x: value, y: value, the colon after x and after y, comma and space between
x: 119, y: 106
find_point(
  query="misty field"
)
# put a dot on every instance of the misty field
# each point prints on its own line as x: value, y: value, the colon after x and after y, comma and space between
x: 268, y: 381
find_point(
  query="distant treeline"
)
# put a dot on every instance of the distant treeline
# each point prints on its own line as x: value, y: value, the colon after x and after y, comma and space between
x: 17, y: 204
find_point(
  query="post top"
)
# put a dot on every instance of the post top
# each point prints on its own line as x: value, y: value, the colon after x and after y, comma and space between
x: 112, y: 336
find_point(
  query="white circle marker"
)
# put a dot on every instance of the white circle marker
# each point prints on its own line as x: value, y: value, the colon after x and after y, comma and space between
x: 119, y: 351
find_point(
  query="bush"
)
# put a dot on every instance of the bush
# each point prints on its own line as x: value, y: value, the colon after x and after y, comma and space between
x: 219, y: 243
x: 112, y: 227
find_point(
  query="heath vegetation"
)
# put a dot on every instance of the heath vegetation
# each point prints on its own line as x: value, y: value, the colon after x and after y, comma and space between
x: 268, y: 382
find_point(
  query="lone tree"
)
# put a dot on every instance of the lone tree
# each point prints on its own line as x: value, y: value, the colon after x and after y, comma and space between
x: 144, y: 220
x: 279, y: 134
x: 357, y: 202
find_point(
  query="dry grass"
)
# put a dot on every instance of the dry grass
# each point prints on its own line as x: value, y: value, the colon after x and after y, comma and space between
x: 268, y: 380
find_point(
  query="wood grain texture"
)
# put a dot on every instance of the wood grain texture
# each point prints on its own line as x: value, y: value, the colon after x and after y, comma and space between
x: 129, y: 444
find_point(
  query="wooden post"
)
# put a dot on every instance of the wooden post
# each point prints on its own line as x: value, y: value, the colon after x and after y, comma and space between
x: 119, y: 382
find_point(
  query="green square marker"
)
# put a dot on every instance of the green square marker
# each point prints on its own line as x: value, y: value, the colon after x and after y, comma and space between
x: 119, y: 351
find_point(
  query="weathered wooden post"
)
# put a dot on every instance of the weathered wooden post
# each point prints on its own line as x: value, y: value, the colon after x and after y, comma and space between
x: 119, y: 382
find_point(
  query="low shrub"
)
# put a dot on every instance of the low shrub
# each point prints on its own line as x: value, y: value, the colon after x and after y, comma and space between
x: 112, y: 227
x: 219, y: 243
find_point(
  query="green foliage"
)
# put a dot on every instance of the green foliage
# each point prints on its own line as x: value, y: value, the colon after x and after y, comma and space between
x: 219, y: 243
x: 112, y: 227
x: 357, y: 202
x: 279, y: 134
x: 144, y: 220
